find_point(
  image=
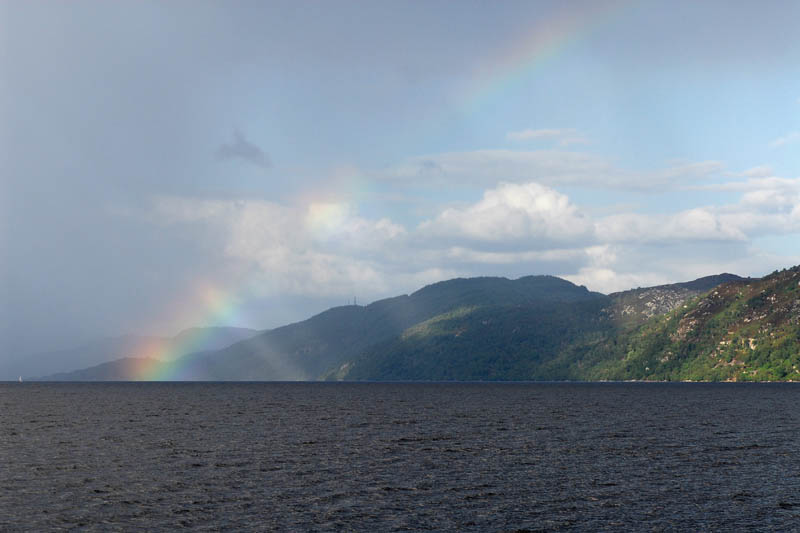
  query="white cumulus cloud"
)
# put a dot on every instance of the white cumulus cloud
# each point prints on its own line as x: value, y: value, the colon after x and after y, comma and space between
x: 529, y: 216
x: 328, y: 248
x: 318, y: 249
x: 697, y: 224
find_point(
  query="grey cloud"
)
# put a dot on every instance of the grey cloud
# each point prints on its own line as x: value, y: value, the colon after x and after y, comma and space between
x: 429, y: 167
x: 243, y: 149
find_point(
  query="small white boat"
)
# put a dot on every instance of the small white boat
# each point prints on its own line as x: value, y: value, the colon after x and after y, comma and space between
x: 20, y: 379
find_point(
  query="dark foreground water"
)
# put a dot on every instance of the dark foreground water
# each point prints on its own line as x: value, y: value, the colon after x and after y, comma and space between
x: 384, y: 457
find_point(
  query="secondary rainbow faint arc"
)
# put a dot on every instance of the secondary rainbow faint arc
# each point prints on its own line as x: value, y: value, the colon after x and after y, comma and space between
x: 532, y: 50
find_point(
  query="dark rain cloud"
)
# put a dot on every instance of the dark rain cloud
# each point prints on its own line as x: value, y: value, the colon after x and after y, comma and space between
x: 429, y: 167
x: 243, y: 149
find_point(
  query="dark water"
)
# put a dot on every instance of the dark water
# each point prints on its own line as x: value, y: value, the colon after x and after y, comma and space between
x: 385, y: 457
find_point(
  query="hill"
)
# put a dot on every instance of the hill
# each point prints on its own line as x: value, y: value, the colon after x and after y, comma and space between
x: 518, y: 340
x: 532, y: 328
x: 746, y: 330
x: 87, y: 354
x: 117, y: 349
x: 125, y: 369
x: 636, y: 306
x: 314, y: 347
x: 479, y: 343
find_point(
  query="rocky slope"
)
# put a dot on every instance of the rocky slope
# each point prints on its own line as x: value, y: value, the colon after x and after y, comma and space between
x: 636, y: 306
x: 741, y: 330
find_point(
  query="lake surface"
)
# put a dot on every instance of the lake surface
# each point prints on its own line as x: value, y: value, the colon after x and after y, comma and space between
x: 387, y: 457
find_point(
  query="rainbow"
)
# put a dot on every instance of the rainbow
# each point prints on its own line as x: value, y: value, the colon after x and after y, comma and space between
x: 328, y: 207
x: 161, y: 359
x: 534, y: 49
x: 206, y: 303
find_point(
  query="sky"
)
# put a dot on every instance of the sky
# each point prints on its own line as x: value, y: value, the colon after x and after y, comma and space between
x: 165, y: 165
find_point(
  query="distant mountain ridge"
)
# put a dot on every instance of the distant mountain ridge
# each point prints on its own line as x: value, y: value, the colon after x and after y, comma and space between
x: 535, y: 327
x: 104, y: 351
x: 125, y: 369
x: 86, y: 354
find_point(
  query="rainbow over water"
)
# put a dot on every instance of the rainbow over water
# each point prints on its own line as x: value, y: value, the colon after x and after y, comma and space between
x: 161, y: 359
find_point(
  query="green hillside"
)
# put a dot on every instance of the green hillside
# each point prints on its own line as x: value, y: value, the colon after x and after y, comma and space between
x: 534, y: 328
x: 314, y: 347
x: 741, y: 331
x: 521, y: 339
x: 495, y: 342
